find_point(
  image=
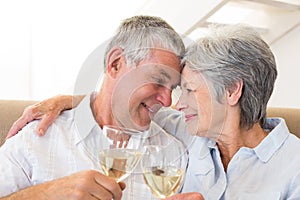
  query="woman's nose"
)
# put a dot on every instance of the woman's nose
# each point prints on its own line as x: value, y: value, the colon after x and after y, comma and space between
x: 180, y: 105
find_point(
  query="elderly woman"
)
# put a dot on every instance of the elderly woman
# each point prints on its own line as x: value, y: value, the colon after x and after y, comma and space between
x: 226, y: 83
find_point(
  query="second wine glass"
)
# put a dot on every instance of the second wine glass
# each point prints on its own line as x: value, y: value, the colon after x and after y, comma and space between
x: 164, y: 163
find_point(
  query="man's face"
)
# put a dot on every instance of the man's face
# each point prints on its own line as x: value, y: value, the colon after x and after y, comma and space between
x: 144, y: 89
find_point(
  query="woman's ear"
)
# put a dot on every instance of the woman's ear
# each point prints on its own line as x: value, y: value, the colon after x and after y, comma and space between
x: 234, y: 93
x: 113, y: 61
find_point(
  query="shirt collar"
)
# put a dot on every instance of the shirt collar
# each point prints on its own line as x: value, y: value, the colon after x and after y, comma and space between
x: 84, y: 119
x: 201, y: 147
x: 279, y: 133
x: 264, y: 151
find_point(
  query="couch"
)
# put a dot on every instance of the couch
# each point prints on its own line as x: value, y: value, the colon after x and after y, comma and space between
x: 12, y: 109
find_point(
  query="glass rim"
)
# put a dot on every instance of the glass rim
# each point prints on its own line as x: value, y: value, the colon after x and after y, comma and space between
x: 129, y: 131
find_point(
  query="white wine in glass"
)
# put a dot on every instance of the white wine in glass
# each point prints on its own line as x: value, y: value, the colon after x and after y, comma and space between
x: 163, y: 182
x: 164, y: 164
x: 121, y: 151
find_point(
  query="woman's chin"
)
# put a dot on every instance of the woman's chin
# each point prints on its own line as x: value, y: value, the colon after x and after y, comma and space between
x: 192, y: 128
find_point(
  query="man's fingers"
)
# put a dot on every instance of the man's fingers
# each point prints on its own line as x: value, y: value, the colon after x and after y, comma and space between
x: 101, y: 193
x: 122, y: 185
x: 110, y: 185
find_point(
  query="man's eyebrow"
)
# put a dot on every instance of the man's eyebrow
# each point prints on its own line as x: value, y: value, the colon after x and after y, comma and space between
x: 164, y: 73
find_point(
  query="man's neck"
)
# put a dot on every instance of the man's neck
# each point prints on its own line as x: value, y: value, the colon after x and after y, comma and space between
x: 101, y: 108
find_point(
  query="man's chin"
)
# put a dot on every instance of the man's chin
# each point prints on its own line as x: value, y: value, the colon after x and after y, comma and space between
x: 143, y: 126
x: 137, y: 125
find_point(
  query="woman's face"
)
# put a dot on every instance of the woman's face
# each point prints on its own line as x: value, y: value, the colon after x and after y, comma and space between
x: 204, y: 115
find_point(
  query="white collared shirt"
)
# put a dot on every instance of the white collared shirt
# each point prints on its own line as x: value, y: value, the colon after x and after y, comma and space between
x: 71, y: 144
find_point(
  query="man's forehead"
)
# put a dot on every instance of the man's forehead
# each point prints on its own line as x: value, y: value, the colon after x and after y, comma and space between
x: 165, y: 51
x: 164, y: 70
x: 164, y: 55
x: 168, y: 74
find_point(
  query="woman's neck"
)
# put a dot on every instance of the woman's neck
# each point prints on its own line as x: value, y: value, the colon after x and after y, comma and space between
x: 230, y: 141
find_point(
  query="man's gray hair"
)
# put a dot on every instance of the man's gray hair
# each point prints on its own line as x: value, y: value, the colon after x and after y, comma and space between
x: 139, y: 34
x: 233, y: 53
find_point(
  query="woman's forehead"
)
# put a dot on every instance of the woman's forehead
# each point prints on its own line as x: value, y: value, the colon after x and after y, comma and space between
x: 193, y: 78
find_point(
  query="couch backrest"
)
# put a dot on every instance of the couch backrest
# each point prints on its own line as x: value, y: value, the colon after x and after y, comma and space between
x: 291, y: 116
x: 11, y: 110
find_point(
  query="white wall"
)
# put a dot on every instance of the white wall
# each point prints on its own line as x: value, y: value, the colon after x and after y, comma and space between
x: 286, y: 50
x: 15, y: 50
x: 43, y: 44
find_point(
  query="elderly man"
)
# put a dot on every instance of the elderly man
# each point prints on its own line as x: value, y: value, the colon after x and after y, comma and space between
x: 142, y: 67
x: 226, y: 83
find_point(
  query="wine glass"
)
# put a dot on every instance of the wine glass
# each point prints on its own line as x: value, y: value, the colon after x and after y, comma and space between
x: 121, y: 149
x: 164, y: 163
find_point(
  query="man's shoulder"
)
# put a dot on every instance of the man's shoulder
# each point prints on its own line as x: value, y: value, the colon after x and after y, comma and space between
x: 172, y: 121
x: 167, y: 113
x: 169, y: 119
x: 28, y: 134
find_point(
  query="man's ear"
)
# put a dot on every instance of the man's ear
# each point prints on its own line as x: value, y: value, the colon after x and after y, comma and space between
x: 113, y: 61
x: 234, y: 93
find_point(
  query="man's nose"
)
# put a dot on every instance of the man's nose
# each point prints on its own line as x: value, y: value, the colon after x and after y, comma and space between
x: 165, y: 96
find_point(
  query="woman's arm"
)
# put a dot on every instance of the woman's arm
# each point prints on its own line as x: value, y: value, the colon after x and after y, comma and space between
x: 46, y: 110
